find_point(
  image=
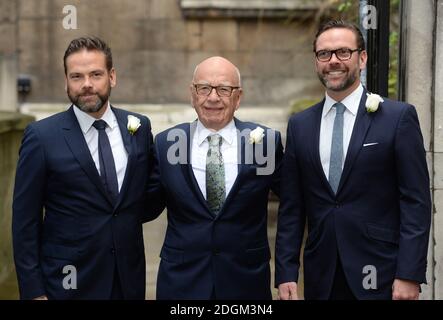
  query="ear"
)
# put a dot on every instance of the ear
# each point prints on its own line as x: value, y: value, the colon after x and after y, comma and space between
x: 113, y: 77
x: 238, y: 98
x: 66, y: 83
x: 363, y: 59
x: 316, y: 62
x: 193, y: 93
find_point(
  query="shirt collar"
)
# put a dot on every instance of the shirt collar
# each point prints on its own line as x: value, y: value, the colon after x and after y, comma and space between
x: 351, y: 102
x: 228, y: 133
x: 85, y: 120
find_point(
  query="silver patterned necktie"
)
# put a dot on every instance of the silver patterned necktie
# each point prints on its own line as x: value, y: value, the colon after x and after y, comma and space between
x: 336, y: 159
x: 215, y: 175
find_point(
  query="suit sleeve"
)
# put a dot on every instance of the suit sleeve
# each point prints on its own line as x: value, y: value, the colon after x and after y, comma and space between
x: 291, y: 215
x: 27, y: 218
x: 155, y: 199
x: 276, y: 179
x: 415, y: 201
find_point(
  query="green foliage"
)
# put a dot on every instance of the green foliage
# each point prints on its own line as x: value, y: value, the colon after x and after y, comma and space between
x: 395, y: 3
x: 393, y: 65
x: 301, y: 105
x: 344, y: 6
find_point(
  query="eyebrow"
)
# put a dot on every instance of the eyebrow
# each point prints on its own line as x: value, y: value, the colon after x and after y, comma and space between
x: 93, y: 71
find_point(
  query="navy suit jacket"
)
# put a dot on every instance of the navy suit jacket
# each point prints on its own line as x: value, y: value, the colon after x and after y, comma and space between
x: 227, y: 254
x: 380, y: 215
x: 81, y: 226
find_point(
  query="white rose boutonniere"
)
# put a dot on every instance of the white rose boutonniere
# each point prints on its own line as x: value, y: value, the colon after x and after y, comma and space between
x: 372, y: 102
x: 133, y: 124
x: 256, y: 135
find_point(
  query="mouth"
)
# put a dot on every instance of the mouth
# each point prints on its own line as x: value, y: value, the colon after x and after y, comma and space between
x: 335, y: 73
x: 213, y: 109
x: 88, y: 96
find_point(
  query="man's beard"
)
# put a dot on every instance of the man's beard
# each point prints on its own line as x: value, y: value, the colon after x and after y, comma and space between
x: 90, y: 108
x: 345, y: 84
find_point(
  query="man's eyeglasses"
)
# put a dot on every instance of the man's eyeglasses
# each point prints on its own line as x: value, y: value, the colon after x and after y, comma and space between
x: 206, y: 89
x: 342, y: 54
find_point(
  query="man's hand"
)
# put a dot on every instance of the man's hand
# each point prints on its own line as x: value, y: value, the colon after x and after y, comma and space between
x: 41, y: 298
x: 405, y: 290
x: 287, y: 291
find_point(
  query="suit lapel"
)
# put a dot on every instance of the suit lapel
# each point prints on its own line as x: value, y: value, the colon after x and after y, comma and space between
x: 361, y: 126
x: 76, y: 142
x: 130, y: 144
x: 242, y: 166
x: 186, y: 168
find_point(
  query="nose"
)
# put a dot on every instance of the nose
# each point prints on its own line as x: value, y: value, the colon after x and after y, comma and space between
x: 213, y: 95
x: 87, y: 83
x: 334, y: 58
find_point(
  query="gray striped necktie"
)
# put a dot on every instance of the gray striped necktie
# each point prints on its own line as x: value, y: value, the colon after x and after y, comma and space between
x: 215, y: 175
x: 336, y: 159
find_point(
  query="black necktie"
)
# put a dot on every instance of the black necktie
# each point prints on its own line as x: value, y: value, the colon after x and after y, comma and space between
x: 107, y: 165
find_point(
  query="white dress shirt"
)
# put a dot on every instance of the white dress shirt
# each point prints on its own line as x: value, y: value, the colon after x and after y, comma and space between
x: 351, y: 103
x: 114, y: 136
x: 199, y: 150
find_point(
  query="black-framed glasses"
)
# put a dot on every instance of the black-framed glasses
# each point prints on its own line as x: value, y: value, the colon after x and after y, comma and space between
x: 342, y: 54
x: 206, y: 89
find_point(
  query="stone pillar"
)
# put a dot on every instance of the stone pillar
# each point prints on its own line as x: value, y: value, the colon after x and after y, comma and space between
x: 438, y: 153
x: 8, y: 82
x: 11, y: 131
x: 8, y: 55
x: 419, y: 77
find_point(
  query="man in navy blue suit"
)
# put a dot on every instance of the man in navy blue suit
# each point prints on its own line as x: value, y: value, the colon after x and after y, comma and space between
x: 86, y: 169
x: 214, y: 175
x: 355, y: 169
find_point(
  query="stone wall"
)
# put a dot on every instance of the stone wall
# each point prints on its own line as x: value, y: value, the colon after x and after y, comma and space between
x: 8, y: 55
x: 11, y: 132
x: 8, y: 75
x: 156, y: 48
x: 8, y: 26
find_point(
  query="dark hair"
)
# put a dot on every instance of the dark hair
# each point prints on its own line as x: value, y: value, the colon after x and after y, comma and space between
x: 343, y: 25
x: 90, y: 44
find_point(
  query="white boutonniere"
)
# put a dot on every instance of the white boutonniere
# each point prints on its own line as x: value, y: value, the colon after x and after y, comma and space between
x: 256, y: 135
x: 372, y: 102
x: 133, y: 124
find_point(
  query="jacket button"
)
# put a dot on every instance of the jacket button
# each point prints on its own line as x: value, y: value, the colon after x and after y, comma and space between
x: 216, y: 252
x: 112, y: 250
x: 337, y: 204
